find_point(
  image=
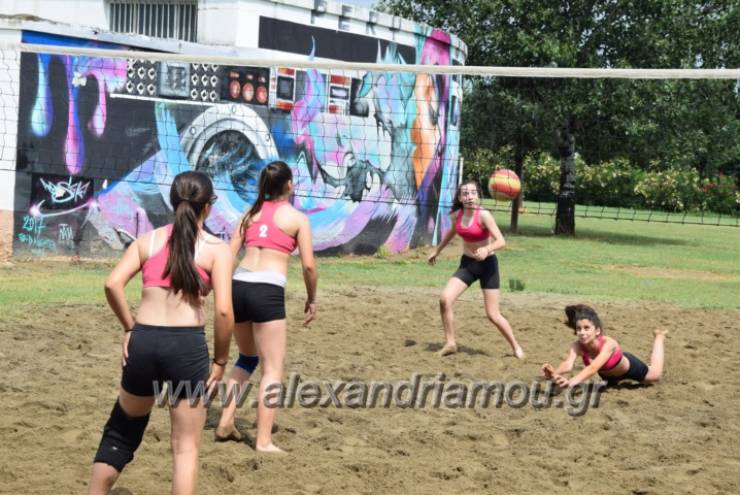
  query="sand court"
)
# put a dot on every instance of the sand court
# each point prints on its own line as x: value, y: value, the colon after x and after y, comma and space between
x: 61, y: 377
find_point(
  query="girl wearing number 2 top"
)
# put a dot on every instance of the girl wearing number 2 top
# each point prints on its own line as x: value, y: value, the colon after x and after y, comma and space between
x: 270, y: 231
x: 481, y: 238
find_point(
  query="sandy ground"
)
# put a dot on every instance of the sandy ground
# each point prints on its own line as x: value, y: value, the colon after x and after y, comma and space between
x: 6, y: 235
x: 61, y: 374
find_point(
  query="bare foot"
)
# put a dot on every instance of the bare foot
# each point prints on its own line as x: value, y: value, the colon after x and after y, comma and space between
x: 270, y: 449
x: 275, y: 427
x: 228, y: 433
x: 519, y: 353
x: 660, y: 333
x: 447, y: 350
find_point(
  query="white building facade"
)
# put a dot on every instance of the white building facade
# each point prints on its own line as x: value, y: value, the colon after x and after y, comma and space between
x: 90, y: 144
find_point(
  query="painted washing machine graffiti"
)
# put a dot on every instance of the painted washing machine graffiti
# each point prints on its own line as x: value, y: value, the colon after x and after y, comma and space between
x: 231, y: 144
x: 373, y: 154
x: 228, y: 142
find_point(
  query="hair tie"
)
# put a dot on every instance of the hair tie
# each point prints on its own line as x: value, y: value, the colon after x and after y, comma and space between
x: 196, y: 207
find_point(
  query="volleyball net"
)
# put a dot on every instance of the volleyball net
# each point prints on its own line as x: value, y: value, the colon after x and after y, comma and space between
x: 384, y: 144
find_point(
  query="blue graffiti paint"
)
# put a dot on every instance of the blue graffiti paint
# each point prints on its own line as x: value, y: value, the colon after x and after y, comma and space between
x: 42, y: 113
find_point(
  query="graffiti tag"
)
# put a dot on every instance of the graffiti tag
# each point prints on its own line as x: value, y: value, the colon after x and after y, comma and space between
x: 65, y: 233
x: 32, y: 229
x: 68, y: 191
x: 34, y: 225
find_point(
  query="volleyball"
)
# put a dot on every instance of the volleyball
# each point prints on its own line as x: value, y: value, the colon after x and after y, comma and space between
x: 504, y: 185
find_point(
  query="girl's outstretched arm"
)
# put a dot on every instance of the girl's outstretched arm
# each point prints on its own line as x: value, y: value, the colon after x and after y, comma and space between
x: 445, y: 240
x: 564, y: 367
x: 610, y: 346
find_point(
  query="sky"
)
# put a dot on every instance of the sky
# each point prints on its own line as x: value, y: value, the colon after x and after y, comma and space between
x: 360, y: 3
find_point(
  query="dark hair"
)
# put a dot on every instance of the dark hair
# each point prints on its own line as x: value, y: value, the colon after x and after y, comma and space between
x: 577, y: 312
x: 272, y: 184
x: 189, y: 195
x: 456, y: 203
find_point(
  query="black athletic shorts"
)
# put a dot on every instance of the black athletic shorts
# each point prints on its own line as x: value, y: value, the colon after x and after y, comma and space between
x: 257, y: 301
x: 637, y: 372
x: 177, y: 356
x: 486, y: 271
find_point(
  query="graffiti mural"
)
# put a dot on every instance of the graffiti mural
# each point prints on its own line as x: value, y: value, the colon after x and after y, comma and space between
x: 374, y: 155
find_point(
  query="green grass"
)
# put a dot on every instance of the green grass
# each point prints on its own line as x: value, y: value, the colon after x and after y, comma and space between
x: 686, y: 265
x: 40, y: 281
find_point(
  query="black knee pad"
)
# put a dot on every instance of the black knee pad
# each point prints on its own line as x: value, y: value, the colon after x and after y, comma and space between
x: 122, y: 435
x: 247, y: 363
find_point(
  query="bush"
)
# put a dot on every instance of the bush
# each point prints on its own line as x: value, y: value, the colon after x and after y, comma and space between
x: 671, y: 190
x: 605, y: 184
x: 541, y: 177
x: 719, y: 195
x: 480, y: 164
x: 610, y: 183
x: 614, y: 183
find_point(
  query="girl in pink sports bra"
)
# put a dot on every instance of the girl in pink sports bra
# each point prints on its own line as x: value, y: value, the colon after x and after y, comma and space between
x: 481, y: 238
x: 270, y: 231
x: 154, y: 267
x: 475, y: 232
x: 166, y: 343
x: 602, y: 354
x: 264, y: 233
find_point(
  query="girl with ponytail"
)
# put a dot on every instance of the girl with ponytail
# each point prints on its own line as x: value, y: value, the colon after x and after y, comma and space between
x: 269, y: 231
x: 180, y: 264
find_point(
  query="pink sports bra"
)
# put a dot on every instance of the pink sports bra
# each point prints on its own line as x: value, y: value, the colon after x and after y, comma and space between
x: 265, y: 234
x: 152, y: 270
x: 475, y: 232
x: 614, y: 359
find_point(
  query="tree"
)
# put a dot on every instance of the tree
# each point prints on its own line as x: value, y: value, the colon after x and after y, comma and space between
x: 695, y: 121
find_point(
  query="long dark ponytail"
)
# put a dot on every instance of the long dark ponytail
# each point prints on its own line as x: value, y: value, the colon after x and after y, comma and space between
x: 456, y: 203
x: 272, y: 184
x: 189, y: 195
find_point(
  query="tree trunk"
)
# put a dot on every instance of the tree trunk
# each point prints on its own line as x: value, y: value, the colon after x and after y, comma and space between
x: 516, y: 204
x: 565, y: 218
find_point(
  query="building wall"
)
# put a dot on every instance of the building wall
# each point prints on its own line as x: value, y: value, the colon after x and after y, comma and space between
x: 79, y: 12
x: 9, y: 90
x: 99, y: 141
x: 234, y: 22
